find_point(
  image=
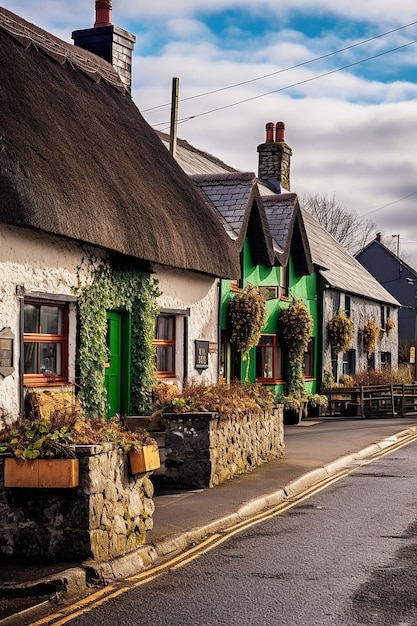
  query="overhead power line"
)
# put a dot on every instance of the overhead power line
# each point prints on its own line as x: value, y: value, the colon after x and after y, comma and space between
x: 292, y: 67
x: 301, y: 82
x: 410, y: 195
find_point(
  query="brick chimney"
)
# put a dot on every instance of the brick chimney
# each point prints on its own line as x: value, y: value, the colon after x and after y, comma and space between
x: 275, y: 156
x: 109, y: 42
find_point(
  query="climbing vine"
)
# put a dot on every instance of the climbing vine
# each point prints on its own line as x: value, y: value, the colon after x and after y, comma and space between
x: 116, y: 287
x: 295, y: 327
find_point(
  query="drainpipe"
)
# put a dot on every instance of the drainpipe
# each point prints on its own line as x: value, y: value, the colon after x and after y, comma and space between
x: 20, y: 292
x: 186, y: 344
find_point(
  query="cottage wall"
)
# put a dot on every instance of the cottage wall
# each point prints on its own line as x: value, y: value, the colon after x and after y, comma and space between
x: 361, y: 310
x: 33, y: 262
x: 197, y: 296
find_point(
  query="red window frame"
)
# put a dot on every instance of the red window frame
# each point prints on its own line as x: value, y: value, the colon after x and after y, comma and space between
x: 267, y: 343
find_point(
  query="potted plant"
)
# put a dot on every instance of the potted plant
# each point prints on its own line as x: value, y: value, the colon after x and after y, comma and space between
x: 293, y: 407
x: 317, y: 404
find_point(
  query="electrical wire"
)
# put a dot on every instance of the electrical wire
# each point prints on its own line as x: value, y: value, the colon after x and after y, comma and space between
x: 301, y: 82
x: 292, y: 67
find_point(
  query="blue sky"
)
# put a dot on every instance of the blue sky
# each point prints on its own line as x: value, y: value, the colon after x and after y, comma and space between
x: 353, y: 131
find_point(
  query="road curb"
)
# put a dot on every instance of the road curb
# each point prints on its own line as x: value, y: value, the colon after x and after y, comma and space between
x: 148, y: 555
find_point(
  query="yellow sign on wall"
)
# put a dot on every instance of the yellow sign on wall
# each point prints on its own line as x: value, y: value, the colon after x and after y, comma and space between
x: 412, y: 354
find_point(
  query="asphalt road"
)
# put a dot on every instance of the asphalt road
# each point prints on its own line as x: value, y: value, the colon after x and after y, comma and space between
x: 344, y: 556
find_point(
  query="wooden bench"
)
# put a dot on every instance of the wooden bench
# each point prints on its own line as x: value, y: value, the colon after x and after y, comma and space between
x: 377, y: 400
x: 343, y: 400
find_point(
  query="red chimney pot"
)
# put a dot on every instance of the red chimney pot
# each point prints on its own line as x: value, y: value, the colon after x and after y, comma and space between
x: 103, y: 13
x: 279, y: 131
x: 269, y: 131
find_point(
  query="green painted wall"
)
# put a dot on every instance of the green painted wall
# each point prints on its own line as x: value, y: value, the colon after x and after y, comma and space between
x: 300, y: 287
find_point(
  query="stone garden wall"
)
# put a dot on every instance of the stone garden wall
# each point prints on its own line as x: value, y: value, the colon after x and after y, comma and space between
x: 106, y: 516
x: 203, y: 450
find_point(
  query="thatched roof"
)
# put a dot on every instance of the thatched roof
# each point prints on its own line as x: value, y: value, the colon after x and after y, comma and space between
x: 78, y: 160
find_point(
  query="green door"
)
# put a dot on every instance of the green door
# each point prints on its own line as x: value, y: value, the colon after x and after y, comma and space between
x: 116, y: 364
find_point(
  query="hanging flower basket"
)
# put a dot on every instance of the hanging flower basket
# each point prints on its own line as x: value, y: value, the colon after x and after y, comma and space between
x: 340, y: 332
x: 370, y: 336
x: 389, y: 326
x: 247, y: 315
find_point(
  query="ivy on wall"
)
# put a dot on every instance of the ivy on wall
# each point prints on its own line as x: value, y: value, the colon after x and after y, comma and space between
x: 116, y: 287
x: 295, y: 327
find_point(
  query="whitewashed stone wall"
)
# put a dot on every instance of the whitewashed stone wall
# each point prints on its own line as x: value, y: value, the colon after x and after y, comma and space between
x: 38, y: 263
x: 362, y: 310
x: 200, y: 294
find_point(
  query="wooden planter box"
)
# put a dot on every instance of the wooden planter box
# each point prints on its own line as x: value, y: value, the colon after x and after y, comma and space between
x: 41, y: 473
x: 144, y: 460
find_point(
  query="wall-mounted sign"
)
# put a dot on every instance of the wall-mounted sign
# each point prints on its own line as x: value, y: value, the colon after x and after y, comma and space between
x: 6, y: 351
x: 201, y: 354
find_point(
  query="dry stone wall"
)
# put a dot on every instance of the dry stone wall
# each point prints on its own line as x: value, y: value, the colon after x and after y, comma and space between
x: 204, y: 450
x: 106, y: 516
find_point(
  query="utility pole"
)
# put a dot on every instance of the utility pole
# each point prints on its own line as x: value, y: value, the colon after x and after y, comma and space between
x: 174, y: 117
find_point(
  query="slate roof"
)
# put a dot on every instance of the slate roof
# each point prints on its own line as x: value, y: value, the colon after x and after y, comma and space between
x: 336, y: 265
x: 339, y: 268
x: 78, y: 160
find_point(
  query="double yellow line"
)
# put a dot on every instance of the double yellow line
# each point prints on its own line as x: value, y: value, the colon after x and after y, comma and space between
x: 70, y: 612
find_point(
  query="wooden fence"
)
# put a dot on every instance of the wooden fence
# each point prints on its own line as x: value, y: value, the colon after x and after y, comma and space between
x: 394, y: 400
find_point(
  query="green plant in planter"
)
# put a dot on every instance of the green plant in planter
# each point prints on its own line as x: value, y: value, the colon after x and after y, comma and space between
x: 340, y: 332
x: 30, y: 438
x: 290, y: 403
x: 295, y: 326
x: 318, y: 400
x: 247, y: 316
x: 317, y: 404
x: 370, y: 334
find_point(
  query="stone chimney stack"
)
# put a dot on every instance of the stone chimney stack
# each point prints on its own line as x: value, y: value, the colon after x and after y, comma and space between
x: 109, y: 42
x: 275, y: 156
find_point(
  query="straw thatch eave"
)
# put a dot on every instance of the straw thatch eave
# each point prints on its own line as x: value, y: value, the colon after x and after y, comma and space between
x: 78, y: 160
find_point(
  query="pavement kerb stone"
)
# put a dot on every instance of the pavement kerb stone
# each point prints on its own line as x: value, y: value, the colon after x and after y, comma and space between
x: 253, y: 507
x: 297, y: 486
x: 145, y: 556
x: 336, y: 466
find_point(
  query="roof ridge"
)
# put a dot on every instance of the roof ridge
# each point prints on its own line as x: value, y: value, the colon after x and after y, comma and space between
x: 19, y: 28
